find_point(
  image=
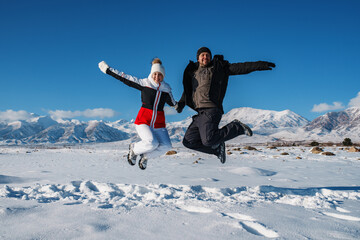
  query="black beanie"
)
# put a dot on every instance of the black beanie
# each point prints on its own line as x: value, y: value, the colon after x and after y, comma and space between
x: 201, y: 50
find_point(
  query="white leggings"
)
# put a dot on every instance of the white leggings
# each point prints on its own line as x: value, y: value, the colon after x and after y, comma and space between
x: 154, y: 141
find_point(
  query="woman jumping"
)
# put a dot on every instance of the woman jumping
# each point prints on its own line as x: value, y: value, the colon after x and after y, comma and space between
x: 150, y: 121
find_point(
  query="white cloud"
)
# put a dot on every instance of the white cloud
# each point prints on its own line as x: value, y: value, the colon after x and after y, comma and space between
x: 99, y: 112
x: 355, y: 102
x: 170, y: 110
x: 324, y: 107
x: 60, y: 114
x: 10, y: 115
x: 88, y: 113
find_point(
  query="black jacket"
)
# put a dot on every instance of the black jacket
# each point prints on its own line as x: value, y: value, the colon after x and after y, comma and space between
x: 222, y: 70
x: 153, y: 96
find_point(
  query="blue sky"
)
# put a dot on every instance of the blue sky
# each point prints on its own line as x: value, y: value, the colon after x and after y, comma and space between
x: 49, y: 51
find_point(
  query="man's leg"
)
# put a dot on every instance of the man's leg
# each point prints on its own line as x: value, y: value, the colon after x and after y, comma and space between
x: 204, y: 134
x: 192, y: 138
x: 211, y: 135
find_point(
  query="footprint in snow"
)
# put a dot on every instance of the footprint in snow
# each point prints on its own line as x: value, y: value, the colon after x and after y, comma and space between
x: 100, y: 227
x: 252, y: 226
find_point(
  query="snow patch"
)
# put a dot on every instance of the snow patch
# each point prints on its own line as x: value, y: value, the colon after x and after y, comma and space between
x: 248, y: 171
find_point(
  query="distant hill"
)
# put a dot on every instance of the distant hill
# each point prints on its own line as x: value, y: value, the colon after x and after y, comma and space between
x: 267, y: 126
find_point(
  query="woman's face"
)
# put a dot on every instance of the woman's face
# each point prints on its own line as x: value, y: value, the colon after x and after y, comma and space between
x: 158, y: 77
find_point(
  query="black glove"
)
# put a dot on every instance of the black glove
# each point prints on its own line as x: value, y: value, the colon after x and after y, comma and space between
x: 179, y: 107
x: 267, y: 65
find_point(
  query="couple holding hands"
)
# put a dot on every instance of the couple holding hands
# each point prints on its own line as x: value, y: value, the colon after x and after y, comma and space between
x: 205, y: 82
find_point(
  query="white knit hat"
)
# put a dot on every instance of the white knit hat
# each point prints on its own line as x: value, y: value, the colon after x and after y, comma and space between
x: 157, y: 67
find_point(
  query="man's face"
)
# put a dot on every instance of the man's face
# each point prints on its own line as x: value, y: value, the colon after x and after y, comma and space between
x: 204, y: 59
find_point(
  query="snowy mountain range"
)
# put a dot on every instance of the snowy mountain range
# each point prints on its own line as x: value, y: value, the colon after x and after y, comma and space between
x: 336, y: 125
x: 267, y: 126
x: 46, y: 130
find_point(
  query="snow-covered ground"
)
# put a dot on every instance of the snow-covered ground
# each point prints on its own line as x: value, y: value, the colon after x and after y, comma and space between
x: 91, y: 192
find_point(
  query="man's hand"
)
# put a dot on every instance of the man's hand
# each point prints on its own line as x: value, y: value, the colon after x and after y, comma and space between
x: 268, y: 65
x: 179, y: 107
x: 103, y: 66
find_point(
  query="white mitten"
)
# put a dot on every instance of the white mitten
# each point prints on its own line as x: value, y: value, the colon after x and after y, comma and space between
x: 103, y: 66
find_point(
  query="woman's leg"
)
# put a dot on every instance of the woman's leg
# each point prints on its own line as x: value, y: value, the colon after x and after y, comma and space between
x: 162, y: 135
x: 148, y: 141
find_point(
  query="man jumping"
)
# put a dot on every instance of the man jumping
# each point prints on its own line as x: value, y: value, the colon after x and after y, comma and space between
x: 205, y: 84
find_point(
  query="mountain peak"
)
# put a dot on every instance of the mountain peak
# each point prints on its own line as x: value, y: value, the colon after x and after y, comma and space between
x: 262, y: 119
x: 341, y: 121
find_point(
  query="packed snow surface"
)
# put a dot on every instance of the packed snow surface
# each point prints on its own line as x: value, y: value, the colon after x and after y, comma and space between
x: 91, y: 192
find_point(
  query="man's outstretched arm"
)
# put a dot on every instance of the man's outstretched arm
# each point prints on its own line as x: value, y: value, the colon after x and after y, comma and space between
x: 248, y: 67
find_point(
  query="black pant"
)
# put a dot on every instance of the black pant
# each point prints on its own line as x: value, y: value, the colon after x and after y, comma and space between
x: 204, y: 133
